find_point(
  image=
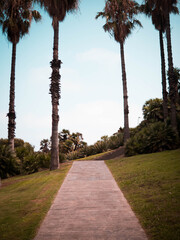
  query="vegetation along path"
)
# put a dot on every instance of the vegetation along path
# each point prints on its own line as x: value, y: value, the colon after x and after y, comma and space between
x: 90, y: 205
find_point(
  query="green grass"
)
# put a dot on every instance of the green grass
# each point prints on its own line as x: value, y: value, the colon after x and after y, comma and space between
x: 25, y: 200
x: 92, y: 157
x: 151, y: 184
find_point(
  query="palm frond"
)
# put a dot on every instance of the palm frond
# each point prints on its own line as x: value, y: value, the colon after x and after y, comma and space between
x: 17, y: 17
x: 100, y: 14
x: 120, y: 18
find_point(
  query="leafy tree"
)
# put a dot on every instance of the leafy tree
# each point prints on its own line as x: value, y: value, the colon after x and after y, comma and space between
x: 64, y: 135
x: 15, y: 19
x: 45, y: 146
x: 120, y: 21
x: 77, y: 140
x: 155, y: 137
x: 70, y: 142
x: 9, y: 165
x: 153, y: 110
x: 57, y: 9
x: 67, y: 146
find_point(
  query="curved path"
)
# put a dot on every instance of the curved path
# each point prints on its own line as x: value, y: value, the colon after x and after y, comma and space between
x: 90, y: 206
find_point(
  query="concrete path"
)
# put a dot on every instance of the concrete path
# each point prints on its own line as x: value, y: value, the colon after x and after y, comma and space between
x: 90, y: 206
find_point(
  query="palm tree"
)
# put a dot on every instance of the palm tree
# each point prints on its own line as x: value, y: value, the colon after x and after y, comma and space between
x: 120, y: 22
x: 57, y: 9
x: 16, y: 17
x: 168, y: 6
x: 160, y: 23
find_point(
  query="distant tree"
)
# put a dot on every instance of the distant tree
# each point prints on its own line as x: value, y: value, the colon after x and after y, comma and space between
x: 57, y: 10
x: 120, y: 21
x: 153, y: 110
x: 45, y: 146
x: 70, y: 142
x: 15, y: 19
x: 64, y: 135
x: 77, y: 140
x: 66, y: 146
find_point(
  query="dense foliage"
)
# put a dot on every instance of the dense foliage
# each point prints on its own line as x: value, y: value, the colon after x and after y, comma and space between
x: 106, y: 143
x: 25, y: 161
x: 72, y: 146
x: 153, y: 134
x: 155, y: 137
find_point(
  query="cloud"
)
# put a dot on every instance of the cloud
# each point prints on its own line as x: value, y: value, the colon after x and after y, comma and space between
x: 100, y: 56
x: 70, y: 81
x: 33, y: 128
x: 97, y: 118
x: 39, y: 75
x: 93, y: 119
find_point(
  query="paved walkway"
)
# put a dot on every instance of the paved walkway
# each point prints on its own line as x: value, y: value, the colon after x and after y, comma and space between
x: 90, y: 206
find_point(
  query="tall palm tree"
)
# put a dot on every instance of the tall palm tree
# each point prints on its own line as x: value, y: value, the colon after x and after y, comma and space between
x: 168, y: 6
x: 120, y: 22
x: 160, y: 23
x: 57, y: 9
x: 15, y: 20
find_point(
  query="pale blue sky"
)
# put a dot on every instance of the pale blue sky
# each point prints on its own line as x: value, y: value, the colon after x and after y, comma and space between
x: 92, y: 101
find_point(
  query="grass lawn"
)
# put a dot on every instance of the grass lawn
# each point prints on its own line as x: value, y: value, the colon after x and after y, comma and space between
x: 151, y: 184
x: 92, y: 157
x: 25, y: 200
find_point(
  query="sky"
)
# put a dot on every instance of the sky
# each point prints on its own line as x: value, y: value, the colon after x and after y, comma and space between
x: 91, y: 80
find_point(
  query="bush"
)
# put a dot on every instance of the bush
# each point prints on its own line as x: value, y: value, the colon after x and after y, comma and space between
x: 73, y: 155
x: 43, y: 159
x: 24, y: 161
x: 62, y: 157
x: 106, y: 143
x: 29, y: 164
x: 9, y: 165
x: 24, y: 150
x: 115, y: 141
x: 155, y: 137
x: 100, y: 146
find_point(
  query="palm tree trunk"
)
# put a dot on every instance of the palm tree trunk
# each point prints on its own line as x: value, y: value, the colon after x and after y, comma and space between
x: 125, y: 95
x: 172, y: 82
x: 163, y: 72
x: 55, y: 96
x: 11, y: 114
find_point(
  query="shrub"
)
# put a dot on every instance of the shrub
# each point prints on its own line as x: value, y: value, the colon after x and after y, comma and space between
x: 9, y: 165
x: 62, y: 157
x: 43, y: 159
x: 73, y: 155
x: 153, y: 138
x: 24, y: 150
x: 29, y: 164
x: 100, y: 146
x: 115, y: 141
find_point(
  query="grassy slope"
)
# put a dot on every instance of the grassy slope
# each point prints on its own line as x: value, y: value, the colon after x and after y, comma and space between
x: 25, y: 200
x: 92, y: 157
x: 151, y: 185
